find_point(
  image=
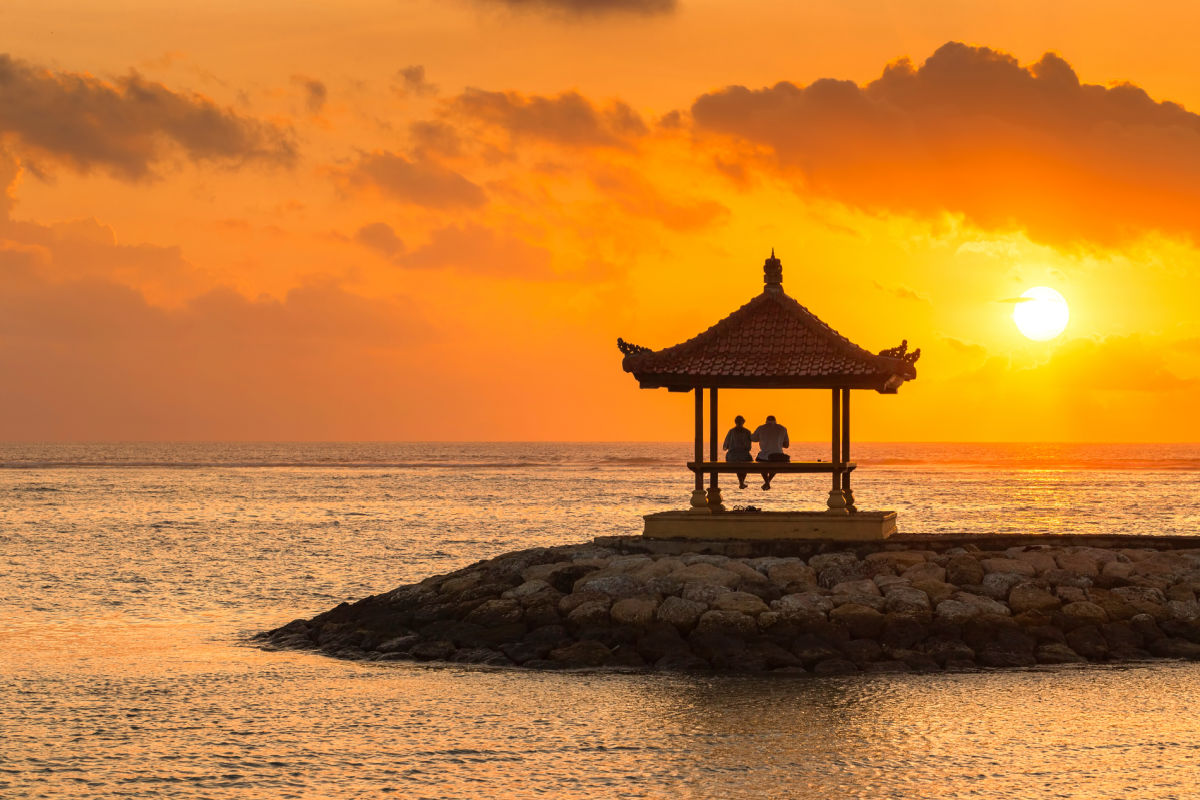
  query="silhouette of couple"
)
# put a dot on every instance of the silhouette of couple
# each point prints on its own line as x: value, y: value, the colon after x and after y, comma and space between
x: 772, y: 440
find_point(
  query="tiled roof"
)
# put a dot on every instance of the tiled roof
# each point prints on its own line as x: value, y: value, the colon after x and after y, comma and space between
x: 770, y: 342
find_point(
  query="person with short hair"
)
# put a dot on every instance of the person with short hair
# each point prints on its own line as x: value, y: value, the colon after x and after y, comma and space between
x: 772, y: 440
x: 737, y: 445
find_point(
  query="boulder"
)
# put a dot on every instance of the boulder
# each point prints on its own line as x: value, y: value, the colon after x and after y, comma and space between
x: 824, y: 561
x: 1085, y: 613
x: 862, y: 651
x: 1057, y: 653
x: 618, y: 585
x: 812, y: 650
x: 963, y: 569
x: 700, y: 592
x: 635, y: 611
x: 886, y: 581
x: 804, y: 605
x: 680, y: 613
x: 873, y: 600
x: 1008, y: 565
x: 706, y: 573
x: 497, y: 611
x: 1088, y: 642
x: 572, y: 601
x: 791, y: 573
x: 945, y: 650
x: 1041, y: 560
x: 997, y: 585
x: 898, y: 560
x: 908, y: 601
x: 955, y: 611
x: 586, y: 653
x: 1186, y: 610
x: 1078, y: 563
x: 1029, y: 597
x: 662, y: 641
x: 937, y: 591
x: 925, y: 571
x: 739, y: 601
x: 861, y: 621
x: 720, y: 649
x: 1145, y: 599
x: 862, y: 586
x: 593, y: 612
x: 528, y: 589
x: 731, y: 623
x: 1175, y: 648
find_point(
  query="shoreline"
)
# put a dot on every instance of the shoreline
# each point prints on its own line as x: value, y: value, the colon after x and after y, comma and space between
x: 914, y: 602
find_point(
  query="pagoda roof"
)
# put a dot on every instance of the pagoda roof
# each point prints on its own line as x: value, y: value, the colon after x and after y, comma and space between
x: 771, y: 342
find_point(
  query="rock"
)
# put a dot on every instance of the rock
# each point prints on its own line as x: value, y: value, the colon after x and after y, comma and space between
x: 963, y: 569
x: 635, y: 611
x: 772, y: 655
x: 718, y: 648
x: 955, y: 611
x: 542, y: 613
x: 909, y: 602
x: 586, y: 653
x: 861, y: 621
x: 1175, y: 648
x: 884, y: 582
x: 527, y: 589
x: 903, y: 631
x: 1078, y: 563
x: 824, y: 561
x: 1056, y: 653
x: 985, y: 605
x: 498, y: 611
x: 997, y: 585
x: 572, y: 601
x: 863, y: 586
x: 1088, y: 642
x: 862, y: 651
x: 520, y: 652
x: 1040, y: 559
x: 706, y: 593
x: 1186, y: 610
x: 925, y: 571
x: 947, y: 650
x: 727, y: 622
x: 1145, y: 599
x: 1070, y: 594
x: 1121, y: 637
x: 1085, y: 613
x: 871, y: 600
x: 618, y: 585
x: 937, y: 591
x: 435, y: 650
x: 560, y: 575
x: 747, y: 573
x: 1006, y: 647
x: 703, y: 558
x: 1115, y: 606
x: 660, y: 641
x: 793, y: 572
x: 899, y: 560
x: 1146, y: 627
x: 804, y: 605
x: 1009, y: 566
x: 593, y: 612
x: 684, y: 662
x: 679, y: 613
x: 835, y: 666
x: 1062, y: 577
x: 1183, y: 592
x: 739, y: 601
x: 832, y: 576
x: 398, y: 644
x: 1030, y: 597
x: 707, y: 574
x: 1122, y: 570
x: 459, y: 584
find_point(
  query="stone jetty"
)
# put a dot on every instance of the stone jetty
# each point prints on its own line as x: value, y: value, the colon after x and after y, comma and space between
x: 931, y: 605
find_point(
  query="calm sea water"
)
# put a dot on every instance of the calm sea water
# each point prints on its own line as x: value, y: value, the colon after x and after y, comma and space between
x: 130, y: 574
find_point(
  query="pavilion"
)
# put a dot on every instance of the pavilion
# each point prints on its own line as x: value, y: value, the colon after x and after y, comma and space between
x: 772, y: 342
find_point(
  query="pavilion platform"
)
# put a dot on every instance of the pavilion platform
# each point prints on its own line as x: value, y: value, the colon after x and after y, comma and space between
x: 860, y: 526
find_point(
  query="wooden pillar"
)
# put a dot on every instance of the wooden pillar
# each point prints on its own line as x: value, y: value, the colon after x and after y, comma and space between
x: 714, y: 488
x: 849, y: 495
x: 699, y: 500
x: 837, y: 500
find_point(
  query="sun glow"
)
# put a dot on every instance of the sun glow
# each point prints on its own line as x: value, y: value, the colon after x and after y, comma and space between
x: 1042, y: 313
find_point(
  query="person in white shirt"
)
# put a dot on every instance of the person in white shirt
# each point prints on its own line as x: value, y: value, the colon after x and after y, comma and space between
x: 772, y: 440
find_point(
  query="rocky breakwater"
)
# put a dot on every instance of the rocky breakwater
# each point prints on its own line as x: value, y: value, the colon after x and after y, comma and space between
x: 886, y: 610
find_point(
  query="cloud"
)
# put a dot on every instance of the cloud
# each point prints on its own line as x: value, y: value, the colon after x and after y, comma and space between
x: 380, y: 237
x: 475, y: 249
x: 568, y: 119
x: 585, y: 8
x: 973, y: 132
x: 127, y: 126
x: 903, y: 292
x: 431, y: 137
x: 639, y: 197
x: 421, y: 182
x: 411, y: 80
x: 315, y: 93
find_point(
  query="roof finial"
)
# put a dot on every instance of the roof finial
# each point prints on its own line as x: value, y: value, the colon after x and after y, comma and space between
x: 773, y: 273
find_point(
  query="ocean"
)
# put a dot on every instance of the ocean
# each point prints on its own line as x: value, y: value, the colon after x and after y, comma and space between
x: 132, y: 574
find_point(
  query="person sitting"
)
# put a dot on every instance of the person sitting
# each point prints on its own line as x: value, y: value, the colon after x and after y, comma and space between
x: 737, y: 445
x: 772, y: 440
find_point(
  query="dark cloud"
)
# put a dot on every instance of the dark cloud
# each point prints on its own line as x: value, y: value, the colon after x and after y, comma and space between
x: 420, y: 182
x: 315, y: 93
x: 380, y: 237
x: 586, y: 8
x: 434, y: 137
x: 125, y: 126
x: 568, y: 119
x: 972, y: 131
x: 411, y: 80
x: 476, y: 249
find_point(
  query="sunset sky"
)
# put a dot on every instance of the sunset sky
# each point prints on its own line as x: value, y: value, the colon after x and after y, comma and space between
x: 390, y: 220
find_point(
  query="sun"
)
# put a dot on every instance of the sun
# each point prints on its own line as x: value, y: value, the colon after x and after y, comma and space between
x: 1043, y: 315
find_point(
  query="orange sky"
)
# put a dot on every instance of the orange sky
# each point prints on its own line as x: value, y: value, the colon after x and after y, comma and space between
x: 381, y: 219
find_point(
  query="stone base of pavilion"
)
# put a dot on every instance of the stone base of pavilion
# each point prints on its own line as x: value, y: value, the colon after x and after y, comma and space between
x: 771, y: 525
